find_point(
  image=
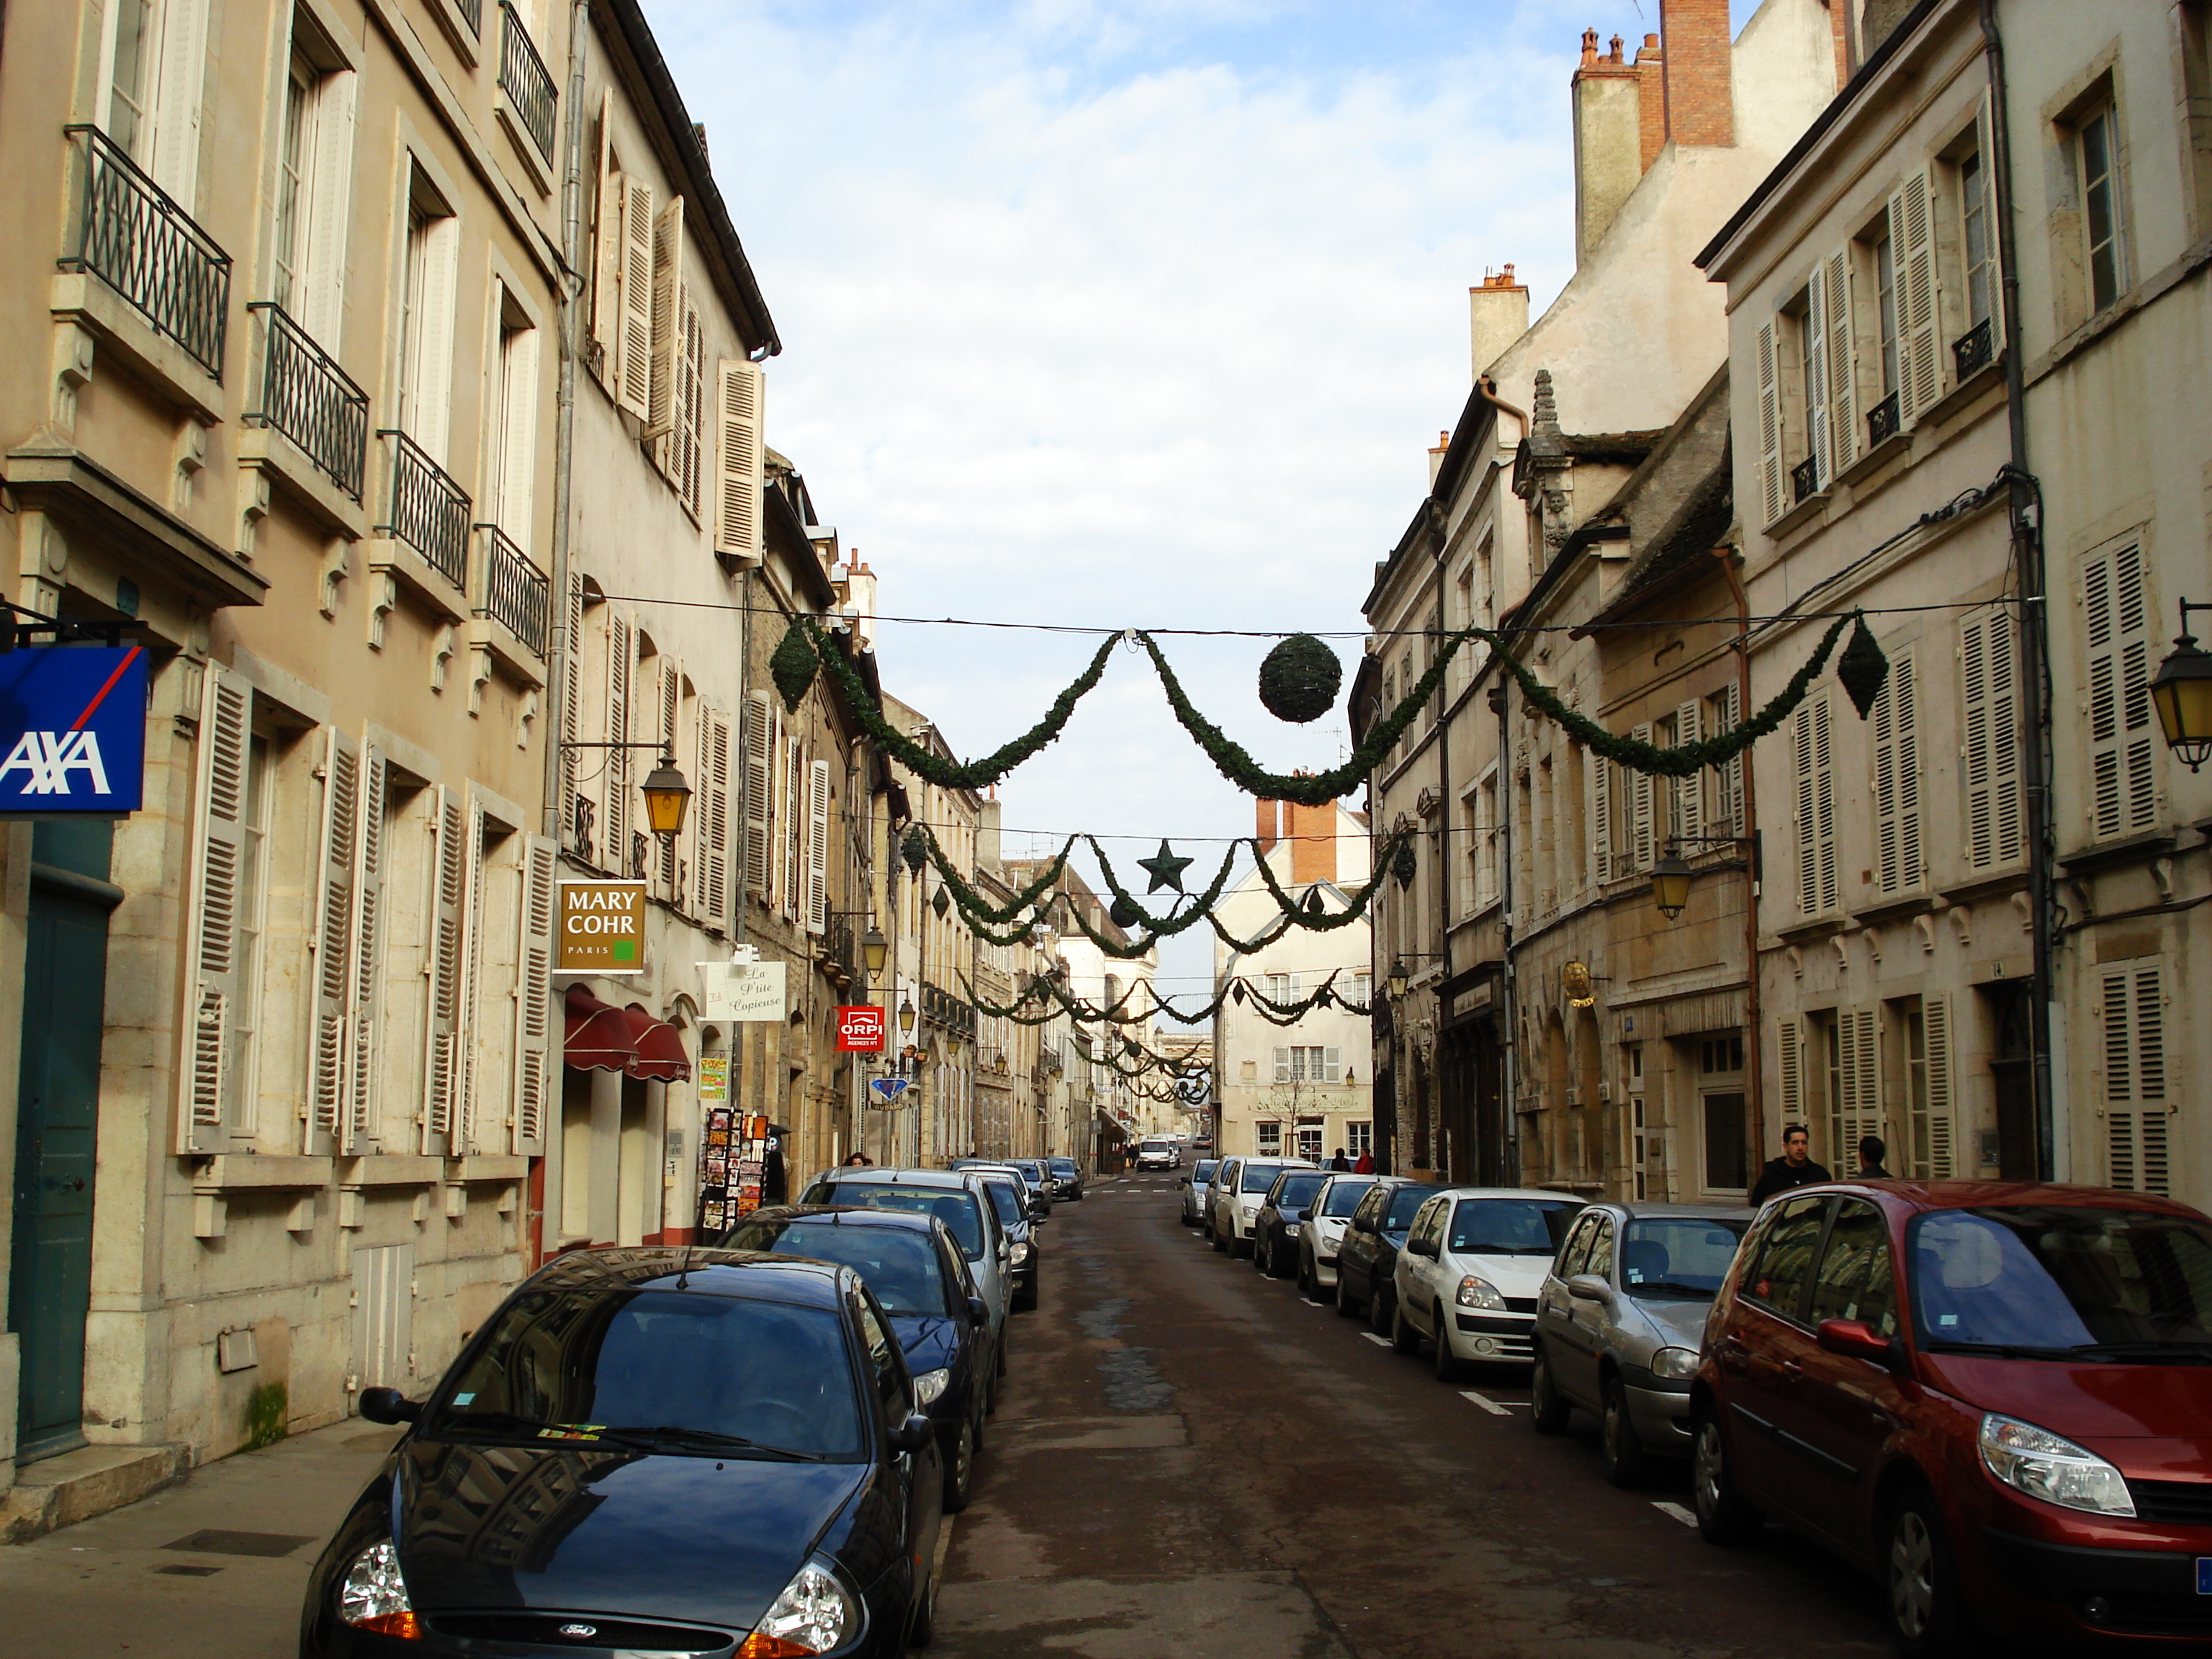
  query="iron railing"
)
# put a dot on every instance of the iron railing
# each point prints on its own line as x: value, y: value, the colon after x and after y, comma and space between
x: 306, y: 396
x: 1805, y: 478
x: 523, y: 78
x: 1976, y: 348
x: 133, y: 236
x: 427, y: 509
x: 516, y: 592
x: 1884, y: 419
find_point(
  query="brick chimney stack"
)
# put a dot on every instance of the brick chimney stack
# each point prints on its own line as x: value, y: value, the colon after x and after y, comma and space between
x: 1264, y: 824
x: 1698, y: 71
x: 1313, y: 851
x: 1436, y: 457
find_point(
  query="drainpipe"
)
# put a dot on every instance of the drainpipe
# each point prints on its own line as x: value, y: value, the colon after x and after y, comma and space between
x: 1440, y: 870
x: 560, y: 662
x: 1509, y: 1040
x: 1754, y: 1050
x: 2026, y: 513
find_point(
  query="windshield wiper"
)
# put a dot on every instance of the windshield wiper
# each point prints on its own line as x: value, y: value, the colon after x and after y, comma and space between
x: 2004, y: 1350
x: 1670, y: 1284
x: 2162, y: 1354
x: 701, y: 1440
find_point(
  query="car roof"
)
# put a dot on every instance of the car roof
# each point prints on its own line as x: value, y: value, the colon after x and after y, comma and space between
x: 1918, y: 1195
x: 751, y: 1275
x: 1642, y: 1211
x: 1510, y: 1192
x: 952, y: 1179
x: 857, y: 1215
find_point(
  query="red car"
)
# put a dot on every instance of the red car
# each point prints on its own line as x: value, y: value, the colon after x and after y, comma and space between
x: 1997, y: 1397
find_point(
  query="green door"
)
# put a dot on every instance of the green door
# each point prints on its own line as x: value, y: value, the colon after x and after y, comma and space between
x: 64, y: 992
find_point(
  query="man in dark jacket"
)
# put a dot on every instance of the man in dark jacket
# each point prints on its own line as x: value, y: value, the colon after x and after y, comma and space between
x: 1871, y: 1153
x: 1794, y: 1168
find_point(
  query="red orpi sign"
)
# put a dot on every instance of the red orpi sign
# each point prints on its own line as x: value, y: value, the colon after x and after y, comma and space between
x: 860, y: 1030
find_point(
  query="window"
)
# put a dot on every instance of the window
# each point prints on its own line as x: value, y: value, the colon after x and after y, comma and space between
x: 1363, y: 986
x: 427, y: 292
x: 2132, y: 1001
x: 1817, y: 885
x: 312, y: 184
x: 1483, y: 840
x: 153, y: 57
x: 1978, y: 247
x: 1358, y: 1141
x: 513, y: 451
x: 1724, y: 787
x: 1268, y: 1137
x: 1574, y: 1254
x: 1923, y: 1031
x: 1282, y: 987
x: 131, y: 42
x: 1812, y: 387
x: 1785, y: 1256
x: 1601, y: 1250
x: 1886, y: 322
x: 2097, y: 163
x: 1720, y: 1067
x: 2122, y: 744
x: 294, y: 146
x: 889, y: 1365
x: 1988, y: 661
x: 1309, y: 1144
x: 1856, y: 1279
x: 1307, y: 1064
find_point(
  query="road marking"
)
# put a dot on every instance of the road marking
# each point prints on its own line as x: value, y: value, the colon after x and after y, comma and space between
x: 1310, y: 1303
x: 1483, y: 1400
x: 1380, y: 1342
x: 1678, y: 1512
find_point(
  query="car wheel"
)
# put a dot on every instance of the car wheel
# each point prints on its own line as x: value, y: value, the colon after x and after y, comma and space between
x: 1345, y: 1307
x: 1378, y: 1309
x: 960, y: 1470
x: 1626, y: 1463
x: 1925, y: 1614
x: 1263, y: 1258
x: 923, y: 1630
x: 1547, y: 1412
x: 1724, y: 1518
x: 1214, y: 1237
x: 1448, y: 1365
x: 1403, y: 1337
x: 1307, y: 1287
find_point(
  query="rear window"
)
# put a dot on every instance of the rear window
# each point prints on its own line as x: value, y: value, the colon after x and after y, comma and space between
x: 1297, y: 1189
x: 1403, y: 1203
x: 900, y: 1263
x: 1005, y: 1201
x: 1258, y: 1177
x: 958, y: 1210
x: 1202, y: 1171
x: 1511, y: 1226
x: 1343, y: 1197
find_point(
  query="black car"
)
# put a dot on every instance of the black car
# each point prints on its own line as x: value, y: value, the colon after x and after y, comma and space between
x: 1066, y: 1177
x: 1021, y: 1224
x: 1039, y: 1175
x: 1369, y: 1255
x: 914, y: 1265
x: 1275, y: 1228
x: 666, y: 1450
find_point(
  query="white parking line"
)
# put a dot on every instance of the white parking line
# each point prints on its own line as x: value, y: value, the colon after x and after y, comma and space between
x: 1483, y: 1400
x: 1310, y: 1303
x: 1380, y: 1342
x: 1678, y: 1512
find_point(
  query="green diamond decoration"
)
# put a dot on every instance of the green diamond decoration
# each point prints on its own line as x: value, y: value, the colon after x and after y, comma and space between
x: 1401, y: 863
x: 941, y: 904
x: 1862, y: 668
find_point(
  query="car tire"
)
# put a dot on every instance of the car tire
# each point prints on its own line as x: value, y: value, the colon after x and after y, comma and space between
x: 1626, y: 1463
x: 921, y: 1630
x: 960, y: 1470
x: 1404, y: 1339
x: 1448, y: 1365
x: 1214, y: 1237
x: 1378, y: 1309
x: 1345, y: 1307
x: 1263, y: 1258
x: 1723, y: 1516
x: 1307, y: 1287
x: 1548, y: 1411
x: 1920, y: 1586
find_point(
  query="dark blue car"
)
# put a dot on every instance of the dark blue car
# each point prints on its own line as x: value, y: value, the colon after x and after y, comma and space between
x: 668, y: 1450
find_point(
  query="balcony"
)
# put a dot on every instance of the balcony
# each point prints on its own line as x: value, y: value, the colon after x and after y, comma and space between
x: 517, y: 594
x: 1805, y: 479
x: 306, y: 396
x: 1884, y: 421
x: 143, y: 245
x: 523, y: 78
x: 426, y: 510
x: 1975, y: 349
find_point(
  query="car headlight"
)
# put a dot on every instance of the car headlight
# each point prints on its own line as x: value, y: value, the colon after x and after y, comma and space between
x: 930, y: 1384
x: 2039, y: 1463
x: 1021, y: 1252
x: 374, y: 1596
x: 813, y: 1615
x: 1480, y: 1293
x: 1290, y: 1229
x: 1675, y: 1364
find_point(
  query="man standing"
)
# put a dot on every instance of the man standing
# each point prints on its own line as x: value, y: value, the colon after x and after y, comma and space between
x: 1871, y: 1153
x: 1339, y: 1162
x: 1794, y: 1168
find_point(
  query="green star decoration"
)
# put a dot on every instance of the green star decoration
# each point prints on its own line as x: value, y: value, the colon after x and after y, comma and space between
x: 1164, y: 868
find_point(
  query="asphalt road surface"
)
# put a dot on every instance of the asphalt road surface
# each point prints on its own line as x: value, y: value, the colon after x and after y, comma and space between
x: 1194, y: 1461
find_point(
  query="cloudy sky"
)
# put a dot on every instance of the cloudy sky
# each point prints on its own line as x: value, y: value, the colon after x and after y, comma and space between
x: 1129, y: 312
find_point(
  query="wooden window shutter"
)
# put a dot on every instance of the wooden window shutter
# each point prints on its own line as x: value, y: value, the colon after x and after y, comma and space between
x: 1689, y: 793
x: 518, y: 437
x: 739, y: 414
x: 364, y: 987
x: 1282, y: 1065
x: 691, y: 407
x: 1641, y: 811
x: 818, y: 847
x: 1860, y: 1054
x: 329, y: 1041
x: 533, y: 990
x: 670, y: 701
x: 1791, y: 1071
x: 760, y: 770
x: 329, y: 206
x: 1332, y: 1065
x: 218, y: 903
x: 441, y: 1059
x: 1770, y: 428
x: 622, y: 647
x: 607, y: 245
x: 1732, y: 774
x: 1988, y: 664
x: 714, y: 823
x: 1808, y: 859
x: 1919, y: 371
x: 1897, y: 867
x: 667, y: 322
x: 2122, y: 742
x: 178, y: 81
x: 634, y: 359
x: 1601, y: 818
x: 1825, y: 803
x: 1943, y: 1130
x: 1813, y: 328
x: 2136, y: 1104
x: 572, y: 714
x: 467, y: 1092
x: 1842, y: 367
x: 793, y: 806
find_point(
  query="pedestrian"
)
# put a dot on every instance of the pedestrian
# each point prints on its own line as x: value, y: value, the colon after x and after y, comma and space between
x: 1366, y: 1164
x: 1794, y: 1168
x: 1339, y: 1162
x: 1871, y: 1153
x: 860, y: 1161
x: 774, y: 1190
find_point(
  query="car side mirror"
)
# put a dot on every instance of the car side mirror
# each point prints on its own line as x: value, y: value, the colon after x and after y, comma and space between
x: 913, y: 1434
x: 1426, y: 1246
x: 1860, y: 1341
x: 389, y: 1406
x: 978, y: 1312
x: 1040, y: 1212
x: 1590, y: 1287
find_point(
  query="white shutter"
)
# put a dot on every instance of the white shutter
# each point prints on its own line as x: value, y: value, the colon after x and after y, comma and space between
x: 669, y: 688
x: 1898, y: 865
x: 1935, y: 1033
x: 1690, y: 792
x: 533, y: 989
x: 1990, y: 754
x: 218, y: 903
x: 714, y: 819
x: 1813, y: 331
x: 2122, y: 749
x: 1912, y: 231
x: 759, y: 736
x: 1843, y: 369
x: 179, y: 94
x: 606, y: 245
x: 690, y: 407
x: 442, y: 1061
x: 739, y: 393
x: 518, y: 463
x: 818, y: 847
x: 634, y: 357
x: 1732, y: 774
x: 667, y: 320
x: 1860, y: 1054
x: 330, y: 975
x: 329, y: 207
x: 1792, y: 1072
x: 1332, y: 1065
x: 1769, y: 427
x: 431, y: 409
x: 1808, y: 817
x: 1601, y: 818
x: 2136, y: 1101
x: 468, y: 1089
x: 788, y: 877
x: 1282, y: 1065
x: 614, y: 854
x: 1642, y: 812
x: 364, y: 985
x: 571, y: 709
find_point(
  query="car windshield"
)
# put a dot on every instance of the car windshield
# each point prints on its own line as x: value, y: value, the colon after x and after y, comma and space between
x: 1343, y: 1197
x: 1403, y: 1203
x: 1202, y: 1171
x: 686, y: 1372
x: 1063, y: 1166
x: 957, y: 1210
x: 2060, y: 1278
x: 1678, y: 1256
x: 1154, y: 1146
x: 1258, y: 1177
x: 900, y: 1263
x: 1511, y: 1226
x: 1296, y: 1189
x: 1006, y: 1202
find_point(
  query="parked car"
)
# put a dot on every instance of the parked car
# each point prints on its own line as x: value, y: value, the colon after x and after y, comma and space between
x: 961, y: 1202
x: 1021, y: 1216
x: 1368, y: 1253
x: 914, y: 1265
x: 1468, y: 1277
x: 1036, y: 1199
x: 1159, y: 1155
x: 1195, y: 1188
x: 1066, y: 1177
x: 1276, y: 1228
x: 1322, y: 1230
x: 1997, y: 1397
x: 1240, y: 1187
x: 1618, y: 1323
x: 1039, y: 1175
x: 764, y: 1400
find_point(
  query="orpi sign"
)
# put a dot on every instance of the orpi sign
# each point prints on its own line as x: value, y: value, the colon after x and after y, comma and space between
x: 72, y: 731
x: 860, y: 1030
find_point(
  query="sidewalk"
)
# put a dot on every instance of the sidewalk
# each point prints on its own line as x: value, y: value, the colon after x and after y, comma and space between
x: 116, y: 1584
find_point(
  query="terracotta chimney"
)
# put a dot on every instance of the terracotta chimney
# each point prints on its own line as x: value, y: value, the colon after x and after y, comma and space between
x: 1651, y: 100
x: 1698, y: 71
x: 1436, y: 456
x: 1313, y: 851
x: 1264, y: 824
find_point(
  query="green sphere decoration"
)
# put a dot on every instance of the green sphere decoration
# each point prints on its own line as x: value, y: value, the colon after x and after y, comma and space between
x: 1401, y: 863
x: 1125, y: 914
x: 794, y: 665
x: 1300, y: 679
x: 915, y: 848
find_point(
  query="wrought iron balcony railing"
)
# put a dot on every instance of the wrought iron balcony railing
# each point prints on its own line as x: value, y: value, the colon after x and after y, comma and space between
x: 306, y: 396
x: 136, y: 239
x: 426, y: 510
x: 522, y: 76
x: 1976, y: 348
x: 1805, y: 479
x: 516, y: 592
x: 1884, y: 419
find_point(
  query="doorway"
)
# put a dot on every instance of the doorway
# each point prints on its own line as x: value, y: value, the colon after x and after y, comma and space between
x: 2011, y: 1086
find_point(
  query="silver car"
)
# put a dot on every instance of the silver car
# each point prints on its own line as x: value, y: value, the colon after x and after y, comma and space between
x: 1618, y: 1323
x: 1195, y: 1191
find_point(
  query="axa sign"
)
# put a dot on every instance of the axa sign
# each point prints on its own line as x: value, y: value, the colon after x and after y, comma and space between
x: 72, y: 731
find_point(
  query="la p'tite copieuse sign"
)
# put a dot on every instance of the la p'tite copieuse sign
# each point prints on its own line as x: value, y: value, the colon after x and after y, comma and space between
x: 602, y: 927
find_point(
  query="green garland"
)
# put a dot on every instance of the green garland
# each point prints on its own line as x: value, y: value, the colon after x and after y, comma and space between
x: 1238, y: 990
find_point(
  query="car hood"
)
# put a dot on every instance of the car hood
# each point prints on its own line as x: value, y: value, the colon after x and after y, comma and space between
x: 930, y: 1340
x: 1677, y: 1321
x: 2090, y: 1403
x: 625, y: 1533
x: 1514, y: 1275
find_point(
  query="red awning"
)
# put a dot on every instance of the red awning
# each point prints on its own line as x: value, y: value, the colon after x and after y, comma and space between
x: 660, y: 1056
x: 603, y: 1037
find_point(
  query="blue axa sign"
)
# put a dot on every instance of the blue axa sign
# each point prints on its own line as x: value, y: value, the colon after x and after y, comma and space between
x: 72, y: 731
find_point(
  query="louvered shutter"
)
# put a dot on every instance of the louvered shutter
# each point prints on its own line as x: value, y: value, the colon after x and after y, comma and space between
x: 518, y: 465
x: 715, y: 823
x: 1641, y: 811
x: 1601, y: 818
x: 218, y: 902
x: 622, y: 647
x: 818, y: 847
x: 1896, y: 782
x: 1690, y: 792
x: 1936, y: 1032
x: 1990, y: 754
x: 468, y: 1080
x: 1791, y: 1071
x: 2136, y: 1114
x: 790, y: 878
x: 607, y: 244
x: 1769, y: 427
x: 1732, y: 774
x: 441, y: 1059
x: 365, y: 986
x: 1825, y: 803
x: 1332, y: 1065
x: 690, y: 407
x: 572, y: 712
x: 330, y: 975
x: 1861, y: 1076
x: 2123, y: 757
x: 1809, y: 857
x: 1282, y: 1065
x: 1813, y: 328
x: 1918, y: 370
x: 740, y: 391
x: 634, y: 359
x: 329, y: 210
x: 670, y: 702
x: 760, y: 772
x: 1842, y: 365
x: 667, y: 320
x: 180, y: 96
x: 534, y: 988
x: 430, y: 412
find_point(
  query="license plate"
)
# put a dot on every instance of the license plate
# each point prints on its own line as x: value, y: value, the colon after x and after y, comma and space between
x: 2205, y: 1575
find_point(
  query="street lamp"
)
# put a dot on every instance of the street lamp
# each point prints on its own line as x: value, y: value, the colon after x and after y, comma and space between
x: 906, y: 1017
x: 667, y: 795
x: 2181, y: 694
x: 1398, y: 977
x: 874, y: 947
x: 1670, y: 884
